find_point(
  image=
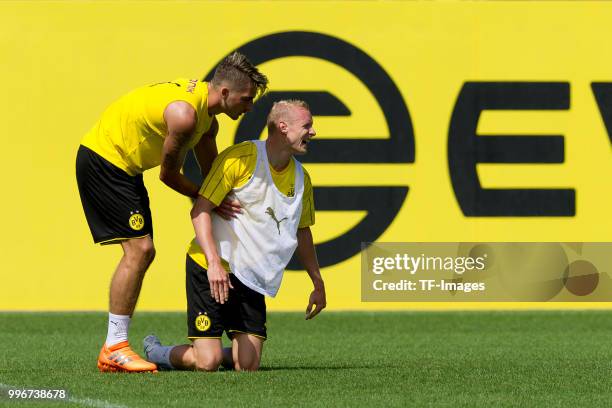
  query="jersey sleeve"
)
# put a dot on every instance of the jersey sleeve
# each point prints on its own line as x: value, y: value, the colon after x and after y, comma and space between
x: 308, y: 211
x: 231, y: 169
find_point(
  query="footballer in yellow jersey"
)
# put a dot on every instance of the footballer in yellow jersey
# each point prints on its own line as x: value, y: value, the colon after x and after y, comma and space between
x: 131, y: 132
x: 218, y: 301
x: 154, y: 125
x: 232, y: 169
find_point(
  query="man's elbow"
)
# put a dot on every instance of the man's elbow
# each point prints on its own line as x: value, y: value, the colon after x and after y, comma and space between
x: 163, y: 175
x: 167, y: 177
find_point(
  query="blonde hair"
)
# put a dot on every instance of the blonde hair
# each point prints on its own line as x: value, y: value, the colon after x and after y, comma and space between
x: 237, y: 69
x: 282, y: 109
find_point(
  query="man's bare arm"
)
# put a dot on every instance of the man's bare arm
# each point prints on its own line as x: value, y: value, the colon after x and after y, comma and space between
x: 202, y: 224
x: 308, y: 257
x: 205, y: 150
x: 181, y: 121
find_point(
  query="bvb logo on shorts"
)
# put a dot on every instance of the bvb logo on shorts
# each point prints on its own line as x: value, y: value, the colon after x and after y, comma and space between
x: 202, y: 323
x: 136, y: 221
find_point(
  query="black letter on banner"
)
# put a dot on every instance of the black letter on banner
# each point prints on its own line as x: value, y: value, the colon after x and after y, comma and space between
x: 603, y: 96
x: 466, y: 149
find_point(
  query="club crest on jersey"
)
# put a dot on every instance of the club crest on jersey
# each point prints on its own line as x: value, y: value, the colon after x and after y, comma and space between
x: 270, y: 212
x: 136, y: 221
x: 202, y: 322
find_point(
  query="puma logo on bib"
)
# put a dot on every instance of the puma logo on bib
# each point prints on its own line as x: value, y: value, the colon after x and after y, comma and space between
x: 270, y: 212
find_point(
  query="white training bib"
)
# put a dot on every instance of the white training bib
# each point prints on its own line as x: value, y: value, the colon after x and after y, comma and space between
x: 259, y: 243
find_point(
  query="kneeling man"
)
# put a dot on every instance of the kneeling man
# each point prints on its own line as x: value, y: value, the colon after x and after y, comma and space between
x: 232, y: 264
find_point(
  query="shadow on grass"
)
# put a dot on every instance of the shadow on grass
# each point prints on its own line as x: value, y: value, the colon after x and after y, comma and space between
x: 323, y: 368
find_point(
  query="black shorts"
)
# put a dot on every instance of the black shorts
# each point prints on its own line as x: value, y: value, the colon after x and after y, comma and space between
x: 116, y: 204
x: 244, y: 311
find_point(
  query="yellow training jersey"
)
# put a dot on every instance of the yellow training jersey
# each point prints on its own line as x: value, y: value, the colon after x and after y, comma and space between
x: 232, y: 169
x: 131, y: 132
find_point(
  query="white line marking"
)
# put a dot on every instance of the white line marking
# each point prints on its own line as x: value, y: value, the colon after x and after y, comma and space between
x: 94, y: 403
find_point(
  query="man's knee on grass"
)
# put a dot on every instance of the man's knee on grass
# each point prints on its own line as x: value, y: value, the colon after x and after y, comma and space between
x: 246, y: 363
x: 207, y: 363
x: 246, y: 350
x: 208, y: 357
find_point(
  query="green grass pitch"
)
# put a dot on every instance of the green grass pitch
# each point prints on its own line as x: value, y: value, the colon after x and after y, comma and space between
x: 441, y: 359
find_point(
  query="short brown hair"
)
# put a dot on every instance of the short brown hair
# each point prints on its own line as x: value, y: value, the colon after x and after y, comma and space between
x: 281, y: 108
x: 237, y: 69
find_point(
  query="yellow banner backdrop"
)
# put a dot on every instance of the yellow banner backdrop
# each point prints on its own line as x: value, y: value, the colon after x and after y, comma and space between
x: 436, y: 121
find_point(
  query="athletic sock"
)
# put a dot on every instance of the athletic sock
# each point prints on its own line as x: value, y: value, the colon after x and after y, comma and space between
x: 118, y: 326
x: 160, y: 355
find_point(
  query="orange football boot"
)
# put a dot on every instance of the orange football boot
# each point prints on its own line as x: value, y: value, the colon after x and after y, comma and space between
x: 121, y: 358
